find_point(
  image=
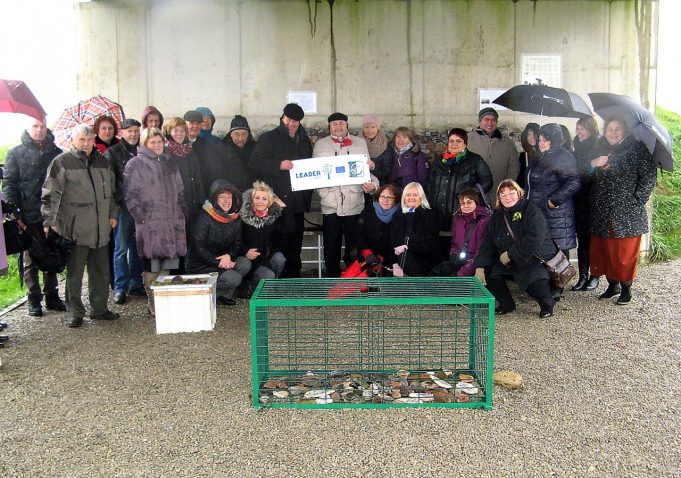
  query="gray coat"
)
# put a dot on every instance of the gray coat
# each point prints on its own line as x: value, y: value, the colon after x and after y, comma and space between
x: 154, y: 195
x: 78, y: 198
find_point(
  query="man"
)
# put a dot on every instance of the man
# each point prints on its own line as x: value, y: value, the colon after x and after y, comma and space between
x: 78, y: 204
x: 127, y: 265
x: 151, y: 118
x: 207, y: 125
x: 271, y: 162
x: 497, y: 151
x: 341, y: 205
x: 231, y: 160
x: 25, y: 170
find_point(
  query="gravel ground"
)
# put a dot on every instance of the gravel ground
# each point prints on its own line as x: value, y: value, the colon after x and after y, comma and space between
x: 601, y: 398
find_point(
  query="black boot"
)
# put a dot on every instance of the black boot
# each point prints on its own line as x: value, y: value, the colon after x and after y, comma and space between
x: 34, y: 307
x: 592, y: 283
x: 625, y: 295
x: 53, y: 302
x: 581, y: 283
x: 541, y: 292
x: 612, y: 290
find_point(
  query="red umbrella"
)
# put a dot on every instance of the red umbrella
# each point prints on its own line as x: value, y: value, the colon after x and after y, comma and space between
x: 85, y: 112
x: 16, y: 97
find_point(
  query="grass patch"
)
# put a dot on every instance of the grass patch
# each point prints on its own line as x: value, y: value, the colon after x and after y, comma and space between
x: 666, y: 240
x: 10, y: 289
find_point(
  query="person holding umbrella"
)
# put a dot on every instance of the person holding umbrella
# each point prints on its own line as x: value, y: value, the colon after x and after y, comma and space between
x: 622, y: 181
x: 584, y: 142
x: 106, y: 130
x: 24, y: 174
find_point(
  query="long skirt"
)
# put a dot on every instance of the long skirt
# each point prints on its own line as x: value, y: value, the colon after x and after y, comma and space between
x: 615, y: 258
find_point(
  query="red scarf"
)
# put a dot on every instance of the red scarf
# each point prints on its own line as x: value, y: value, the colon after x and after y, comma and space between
x: 345, y: 142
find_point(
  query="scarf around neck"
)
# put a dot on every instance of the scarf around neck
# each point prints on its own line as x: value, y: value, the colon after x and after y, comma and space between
x: 450, y: 159
x: 344, y: 142
x: 179, y: 150
x: 403, y: 150
x: 385, y: 216
x: 218, y: 214
x: 377, y: 145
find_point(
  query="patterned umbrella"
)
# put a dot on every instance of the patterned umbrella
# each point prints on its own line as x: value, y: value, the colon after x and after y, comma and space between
x: 85, y: 112
x: 16, y: 97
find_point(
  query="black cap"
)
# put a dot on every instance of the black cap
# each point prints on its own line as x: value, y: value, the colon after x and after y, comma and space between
x: 338, y: 117
x: 487, y: 111
x: 294, y: 111
x: 239, y: 122
x: 128, y: 122
x: 193, y: 115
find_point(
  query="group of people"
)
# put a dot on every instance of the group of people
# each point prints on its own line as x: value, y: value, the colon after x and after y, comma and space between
x: 167, y: 196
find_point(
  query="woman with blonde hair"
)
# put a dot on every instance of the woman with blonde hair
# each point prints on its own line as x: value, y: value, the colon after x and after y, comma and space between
x: 516, y: 234
x: 259, y: 213
x: 414, y: 234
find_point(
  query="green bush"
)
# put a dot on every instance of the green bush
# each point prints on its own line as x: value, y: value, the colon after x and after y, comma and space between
x: 10, y: 288
x: 666, y: 239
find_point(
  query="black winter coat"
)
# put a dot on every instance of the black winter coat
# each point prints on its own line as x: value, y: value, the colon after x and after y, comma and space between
x: 194, y: 192
x: 210, y: 239
x: 272, y: 148
x: 231, y: 163
x: 446, y: 181
x: 531, y: 237
x: 257, y: 231
x: 24, y: 174
x: 554, y: 177
x: 374, y: 234
x: 421, y: 227
x: 119, y: 155
x: 584, y: 153
x: 619, y: 194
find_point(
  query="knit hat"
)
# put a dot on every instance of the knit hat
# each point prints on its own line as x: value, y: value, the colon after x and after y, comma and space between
x: 128, y: 122
x: 487, y: 111
x: 338, y: 117
x: 193, y: 115
x: 371, y: 118
x: 239, y: 122
x: 294, y: 111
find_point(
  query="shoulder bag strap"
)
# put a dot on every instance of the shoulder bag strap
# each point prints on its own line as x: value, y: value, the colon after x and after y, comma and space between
x: 469, y: 233
x: 508, y: 226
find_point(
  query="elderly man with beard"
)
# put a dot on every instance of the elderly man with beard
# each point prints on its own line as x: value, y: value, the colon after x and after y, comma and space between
x: 231, y: 160
x: 78, y: 204
x: 341, y: 205
x: 271, y: 162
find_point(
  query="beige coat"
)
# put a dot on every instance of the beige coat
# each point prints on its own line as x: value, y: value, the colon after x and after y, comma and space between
x: 500, y: 154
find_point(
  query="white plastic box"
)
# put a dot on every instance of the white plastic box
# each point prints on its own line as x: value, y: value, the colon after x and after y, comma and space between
x: 185, y: 307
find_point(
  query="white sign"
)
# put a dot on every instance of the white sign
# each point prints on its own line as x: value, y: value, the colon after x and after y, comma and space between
x: 307, y: 100
x: 329, y: 171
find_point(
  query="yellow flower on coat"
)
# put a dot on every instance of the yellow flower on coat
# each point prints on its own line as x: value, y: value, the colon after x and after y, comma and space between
x: 517, y: 216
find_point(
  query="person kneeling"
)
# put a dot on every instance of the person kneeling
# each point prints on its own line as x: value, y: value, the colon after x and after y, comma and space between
x: 515, y: 235
x: 216, y: 241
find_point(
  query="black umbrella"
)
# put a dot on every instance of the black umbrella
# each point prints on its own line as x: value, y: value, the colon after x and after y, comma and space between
x: 544, y: 101
x: 640, y: 121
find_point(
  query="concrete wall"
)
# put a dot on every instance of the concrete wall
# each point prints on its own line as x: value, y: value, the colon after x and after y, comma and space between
x: 415, y: 63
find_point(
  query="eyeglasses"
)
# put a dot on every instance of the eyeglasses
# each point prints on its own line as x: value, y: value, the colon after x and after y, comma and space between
x: 385, y: 198
x: 508, y: 194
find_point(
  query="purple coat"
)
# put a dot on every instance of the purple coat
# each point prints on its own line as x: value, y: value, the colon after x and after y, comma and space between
x: 460, y: 224
x: 154, y: 195
x: 401, y: 170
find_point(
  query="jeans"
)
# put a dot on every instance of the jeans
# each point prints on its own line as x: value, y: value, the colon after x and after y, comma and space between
x: 270, y: 269
x: 230, y: 279
x: 127, y: 265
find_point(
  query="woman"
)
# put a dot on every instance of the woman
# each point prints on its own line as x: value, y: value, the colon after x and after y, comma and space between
x: 504, y: 256
x: 259, y: 212
x: 530, y: 153
x: 552, y: 180
x: 373, y: 226
x: 106, y: 131
x: 154, y: 195
x: 402, y: 162
x: 187, y: 162
x: 216, y: 241
x: 567, y: 139
x: 456, y: 170
x: 468, y: 229
x: 414, y: 234
x: 621, y: 184
x: 377, y: 141
x: 587, y: 134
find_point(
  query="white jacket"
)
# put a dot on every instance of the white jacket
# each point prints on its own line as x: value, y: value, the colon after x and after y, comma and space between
x: 342, y: 200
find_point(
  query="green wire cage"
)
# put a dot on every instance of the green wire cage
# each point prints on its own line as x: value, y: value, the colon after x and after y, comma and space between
x: 372, y: 343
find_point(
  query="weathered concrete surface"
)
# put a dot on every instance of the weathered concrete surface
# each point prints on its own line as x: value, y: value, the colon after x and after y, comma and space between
x: 411, y: 62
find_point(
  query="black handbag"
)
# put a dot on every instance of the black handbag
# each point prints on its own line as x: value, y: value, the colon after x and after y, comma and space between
x: 560, y: 270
